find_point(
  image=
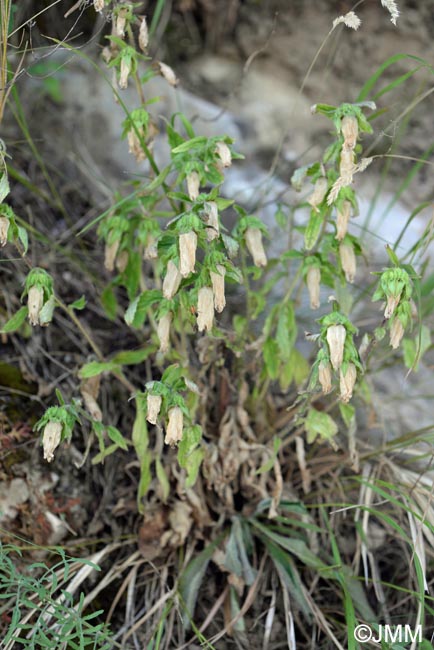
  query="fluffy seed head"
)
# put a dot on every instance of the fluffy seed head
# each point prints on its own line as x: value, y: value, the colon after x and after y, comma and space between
x: 342, y: 219
x: 224, y: 153
x: 153, y: 404
x: 350, y: 131
x: 187, y: 253
x: 171, y: 281
x: 174, y: 426
x: 193, y: 185
x: 347, y: 382
x: 392, y: 8
x: 396, y: 333
x: 255, y: 246
x: 336, y: 335
x: 218, y: 287
x: 111, y: 250
x: 348, y: 261
x: 205, y: 309
x: 35, y: 302
x: 313, y: 280
x: 163, y: 332
x: 325, y: 376
x: 51, y: 439
x: 350, y: 20
x: 319, y: 192
x: 143, y: 35
x: 4, y: 228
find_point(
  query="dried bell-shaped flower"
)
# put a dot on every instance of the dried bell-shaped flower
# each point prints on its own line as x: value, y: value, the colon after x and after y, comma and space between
x: 319, y: 192
x: 153, y: 406
x: 255, y: 246
x: 325, y: 376
x: 125, y: 72
x: 51, y: 439
x: 134, y: 145
x: 313, y: 281
x: 193, y: 185
x: 212, y: 220
x: 4, y: 228
x: 350, y: 131
x: 392, y: 303
x: 151, y: 249
x: 168, y: 74
x: 396, y: 333
x: 346, y: 166
x: 348, y: 261
x: 163, y: 332
x: 218, y: 287
x: 336, y: 335
x: 111, y: 250
x: 342, y: 220
x: 205, y: 309
x: 347, y: 382
x: 174, y: 426
x: 122, y: 261
x: 98, y: 5
x: 143, y: 35
x: 224, y: 153
x: 35, y: 302
x: 171, y: 281
x: 187, y: 253
x: 120, y: 23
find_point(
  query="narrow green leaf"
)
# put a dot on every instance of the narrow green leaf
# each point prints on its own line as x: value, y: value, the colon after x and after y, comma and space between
x: 95, y: 368
x: 313, y: 230
x: 16, y: 321
x: 271, y: 356
x: 78, y: 304
x: 116, y: 436
x: 162, y: 479
x: 4, y: 187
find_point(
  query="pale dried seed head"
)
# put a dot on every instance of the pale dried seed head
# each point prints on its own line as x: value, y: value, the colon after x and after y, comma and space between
x: 122, y: 261
x: 212, y: 220
x: 325, y: 376
x: 313, y: 280
x: 92, y: 406
x: 171, y: 281
x: 193, y: 185
x: 111, y: 250
x: 392, y: 303
x: 342, y: 220
x: 35, y: 302
x: 350, y: 20
x: 218, y: 287
x: 392, y: 8
x: 134, y: 145
x: 396, y: 333
x: 98, y: 5
x: 348, y: 261
x: 153, y: 404
x: 224, y: 153
x: 319, y: 192
x: 51, y: 439
x: 168, y: 74
x: 125, y: 72
x: 163, y: 332
x: 336, y: 335
x: 350, y: 131
x: 255, y: 246
x: 347, y: 382
x: 4, y: 228
x: 187, y: 253
x: 143, y: 35
x: 205, y: 309
x: 174, y: 426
